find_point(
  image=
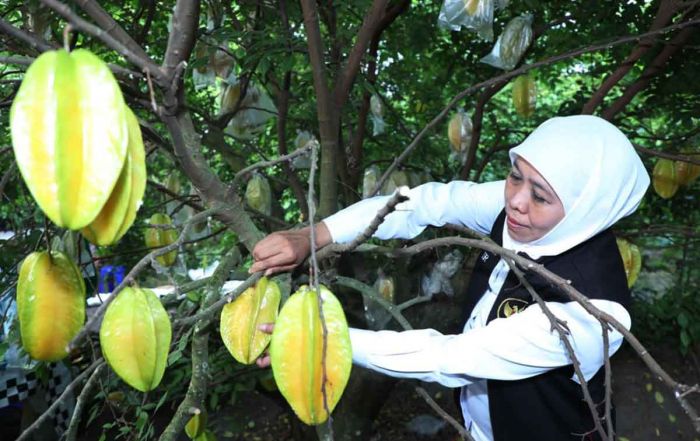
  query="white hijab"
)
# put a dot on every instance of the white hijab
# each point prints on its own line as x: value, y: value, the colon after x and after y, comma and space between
x: 594, y: 170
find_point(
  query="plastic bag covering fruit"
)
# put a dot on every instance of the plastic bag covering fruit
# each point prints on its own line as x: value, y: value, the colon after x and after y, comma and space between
x: 69, y: 135
x: 119, y: 212
x: 240, y: 320
x: 196, y: 425
x: 524, y: 95
x: 258, y: 194
x: 369, y: 180
x: 512, y: 44
x: 471, y: 14
x: 632, y: 260
x: 687, y: 173
x: 664, y: 178
x: 296, y: 353
x: 255, y: 109
x: 459, y: 131
x: 161, y: 237
x: 377, y: 315
x: 50, y: 304
x: 397, y: 178
x: 135, y: 338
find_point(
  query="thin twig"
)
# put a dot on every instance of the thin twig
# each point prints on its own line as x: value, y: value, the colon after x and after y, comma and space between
x: 26, y: 435
x: 299, y: 152
x: 82, y: 401
x: 446, y: 416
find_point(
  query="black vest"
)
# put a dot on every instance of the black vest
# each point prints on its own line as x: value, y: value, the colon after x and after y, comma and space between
x: 549, y: 406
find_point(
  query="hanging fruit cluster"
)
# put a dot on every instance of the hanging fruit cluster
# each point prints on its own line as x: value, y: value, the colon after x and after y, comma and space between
x: 299, y: 358
x: 669, y: 176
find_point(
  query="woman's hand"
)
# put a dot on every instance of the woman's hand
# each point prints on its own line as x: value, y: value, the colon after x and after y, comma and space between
x: 283, y: 250
x: 264, y: 360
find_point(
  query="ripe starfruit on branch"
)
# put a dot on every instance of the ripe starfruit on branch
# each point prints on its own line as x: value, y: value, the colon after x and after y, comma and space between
x: 631, y: 258
x: 50, y: 304
x: 524, y: 95
x: 459, y: 131
x: 664, y: 178
x: 69, y: 135
x: 135, y: 338
x: 158, y: 237
x: 119, y: 212
x: 240, y: 320
x: 297, y: 353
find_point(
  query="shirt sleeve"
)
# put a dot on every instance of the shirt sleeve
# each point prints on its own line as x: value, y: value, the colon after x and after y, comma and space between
x: 475, y: 206
x: 520, y: 346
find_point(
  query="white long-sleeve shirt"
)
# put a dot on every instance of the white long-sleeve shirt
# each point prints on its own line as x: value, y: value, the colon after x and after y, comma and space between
x: 520, y: 346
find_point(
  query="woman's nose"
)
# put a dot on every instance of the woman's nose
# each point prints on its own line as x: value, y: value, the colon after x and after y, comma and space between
x: 519, y: 200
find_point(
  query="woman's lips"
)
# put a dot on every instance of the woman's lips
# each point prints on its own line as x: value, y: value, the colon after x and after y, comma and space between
x: 513, y: 225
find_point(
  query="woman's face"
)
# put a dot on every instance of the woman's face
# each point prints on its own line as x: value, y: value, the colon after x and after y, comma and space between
x: 532, y: 206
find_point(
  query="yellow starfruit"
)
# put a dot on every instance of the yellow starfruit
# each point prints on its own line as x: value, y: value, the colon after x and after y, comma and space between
x: 296, y: 353
x: 50, y: 304
x: 158, y: 237
x: 240, y: 320
x: 687, y: 173
x: 631, y: 258
x: 135, y: 337
x: 119, y: 212
x: 69, y: 134
x: 196, y: 425
x: 258, y: 194
x: 664, y: 178
x: 524, y: 95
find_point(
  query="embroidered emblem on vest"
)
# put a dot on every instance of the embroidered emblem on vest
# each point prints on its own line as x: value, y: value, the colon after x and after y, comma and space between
x: 484, y: 256
x: 510, y: 306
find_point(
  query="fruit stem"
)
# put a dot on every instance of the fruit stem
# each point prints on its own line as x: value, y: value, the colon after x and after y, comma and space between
x: 66, y: 37
x: 47, y: 235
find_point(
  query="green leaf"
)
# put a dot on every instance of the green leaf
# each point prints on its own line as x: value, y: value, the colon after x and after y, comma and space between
x: 659, y: 398
x: 649, y: 387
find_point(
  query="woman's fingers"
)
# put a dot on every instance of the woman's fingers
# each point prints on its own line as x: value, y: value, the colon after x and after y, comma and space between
x: 263, y: 361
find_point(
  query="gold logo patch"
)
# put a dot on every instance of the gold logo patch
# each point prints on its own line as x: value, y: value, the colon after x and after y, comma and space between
x: 511, y: 306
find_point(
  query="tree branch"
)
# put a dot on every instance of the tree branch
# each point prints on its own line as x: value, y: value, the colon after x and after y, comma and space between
x: 82, y: 401
x: 182, y: 37
x: 27, y: 37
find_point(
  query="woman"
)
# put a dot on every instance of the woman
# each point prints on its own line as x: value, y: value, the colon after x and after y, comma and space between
x: 571, y: 180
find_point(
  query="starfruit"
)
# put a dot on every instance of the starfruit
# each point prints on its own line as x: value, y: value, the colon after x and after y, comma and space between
x: 397, y: 178
x: 297, y: 353
x: 161, y: 237
x: 687, y: 173
x: 471, y: 6
x: 258, y: 194
x: 631, y: 258
x: 50, y: 304
x: 459, y: 131
x: 207, y: 435
x: 69, y: 135
x: 196, y: 425
x: 240, y: 320
x: 119, y: 212
x: 135, y: 337
x: 524, y: 95
x: 664, y: 178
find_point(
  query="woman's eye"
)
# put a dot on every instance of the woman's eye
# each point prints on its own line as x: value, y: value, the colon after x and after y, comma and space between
x: 514, y: 176
x: 539, y: 199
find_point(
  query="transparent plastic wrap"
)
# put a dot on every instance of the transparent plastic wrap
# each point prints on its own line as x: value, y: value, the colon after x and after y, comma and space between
x: 377, y: 109
x: 525, y: 95
x: 376, y: 315
x: 511, y: 44
x: 471, y: 14
x: 255, y: 110
x: 398, y: 178
x: 217, y: 63
x: 258, y: 194
x: 303, y: 161
x: 459, y: 133
x: 370, y: 179
x: 438, y: 278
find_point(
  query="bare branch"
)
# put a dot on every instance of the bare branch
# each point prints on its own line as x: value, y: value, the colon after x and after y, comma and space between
x: 29, y: 38
x: 262, y: 164
x: 182, y: 37
x: 107, y: 23
x: 84, y: 26
x: 82, y: 401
